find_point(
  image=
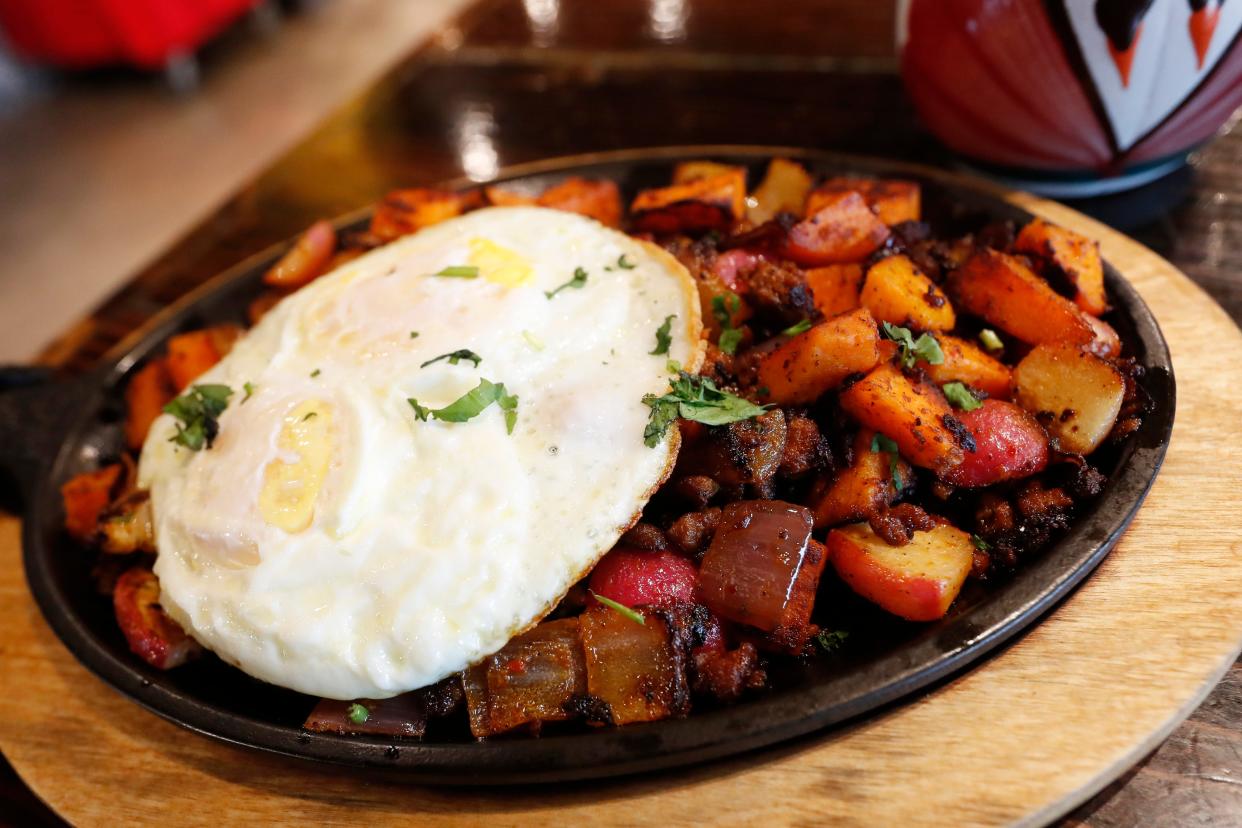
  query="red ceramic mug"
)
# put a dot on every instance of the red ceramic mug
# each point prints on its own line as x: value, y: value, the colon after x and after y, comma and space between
x: 1073, y: 98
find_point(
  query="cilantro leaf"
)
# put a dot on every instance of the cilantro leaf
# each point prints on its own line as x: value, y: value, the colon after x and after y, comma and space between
x: 579, y: 279
x: 663, y: 337
x: 472, y: 404
x: 197, y: 411
x: 980, y: 543
x: 357, y: 713
x: 880, y: 443
x: 829, y: 641
x: 625, y: 264
x: 925, y: 347
x: 695, y: 398
x: 990, y: 340
x: 459, y: 272
x: 633, y: 615
x: 724, y: 306
x: 455, y: 357
x: 958, y: 394
x: 413, y: 334
x: 673, y: 366
x: 532, y: 340
x: 797, y: 328
x: 248, y: 387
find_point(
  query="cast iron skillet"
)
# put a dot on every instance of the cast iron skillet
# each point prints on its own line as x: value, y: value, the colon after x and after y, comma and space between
x: 49, y: 432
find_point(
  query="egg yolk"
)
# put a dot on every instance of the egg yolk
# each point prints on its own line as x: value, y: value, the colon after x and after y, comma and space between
x: 499, y: 264
x: 287, y: 499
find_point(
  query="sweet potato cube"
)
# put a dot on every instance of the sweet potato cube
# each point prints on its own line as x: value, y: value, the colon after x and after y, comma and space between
x: 917, y: 581
x: 896, y: 291
x: 749, y: 570
x: 635, y: 668
x: 500, y: 197
x: 894, y: 201
x: 150, y: 632
x: 783, y: 190
x: 1074, y: 255
x: 915, y: 415
x: 842, y: 229
x: 794, y: 629
x: 190, y: 355
x: 1002, y: 290
x: 688, y: 171
x: 966, y: 362
x: 529, y: 680
x: 402, y: 212
x: 598, y: 199
x: 85, y: 497
x: 818, y: 360
x: 713, y: 203
x: 308, y: 257
x: 835, y: 288
x: 862, y: 489
x: 1106, y: 343
x: 148, y: 391
x: 1074, y: 394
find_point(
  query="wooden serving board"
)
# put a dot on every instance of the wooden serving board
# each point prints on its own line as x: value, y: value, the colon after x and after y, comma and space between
x: 1024, y: 737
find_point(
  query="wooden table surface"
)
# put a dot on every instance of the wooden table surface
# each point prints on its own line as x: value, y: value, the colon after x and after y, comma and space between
x: 511, y: 81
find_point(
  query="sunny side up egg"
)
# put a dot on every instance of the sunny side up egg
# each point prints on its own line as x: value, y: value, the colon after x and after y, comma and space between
x: 332, y: 542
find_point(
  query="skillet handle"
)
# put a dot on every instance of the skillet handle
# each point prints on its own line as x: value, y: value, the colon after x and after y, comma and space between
x: 34, y: 412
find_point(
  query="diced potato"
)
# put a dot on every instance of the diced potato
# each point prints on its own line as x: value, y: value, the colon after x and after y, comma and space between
x: 148, y: 391
x: 500, y: 197
x: 634, y: 668
x: 129, y: 526
x: 85, y: 497
x: 308, y: 257
x: 598, y: 199
x: 1009, y: 444
x: 894, y: 201
x: 783, y: 190
x: 743, y: 452
x: 966, y: 362
x: 688, y: 171
x: 1002, y: 290
x: 917, y: 581
x: 836, y: 288
x: 1075, y: 394
x: 402, y: 212
x: 896, y: 291
x: 703, y: 204
x: 1106, y: 342
x: 915, y: 415
x: 149, y: 631
x: 862, y: 489
x: 818, y: 360
x: 843, y: 229
x: 190, y: 355
x: 1077, y: 257
x: 529, y: 680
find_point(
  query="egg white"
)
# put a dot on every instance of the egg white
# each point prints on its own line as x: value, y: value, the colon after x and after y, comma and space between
x: 331, y: 543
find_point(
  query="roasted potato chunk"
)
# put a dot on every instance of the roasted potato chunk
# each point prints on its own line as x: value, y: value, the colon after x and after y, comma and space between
x: 914, y: 414
x: 308, y: 257
x: 835, y: 288
x: 783, y: 190
x: 151, y: 634
x: 1073, y: 254
x: 862, y: 489
x: 148, y: 391
x: 597, y: 199
x: 842, y: 229
x: 85, y: 497
x: 713, y: 203
x: 893, y: 200
x: 896, y: 291
x: 966, y: 362
x: 818, y: 360
x: 407, y: 211
x: 634, y: 668
x: 1074, y: 394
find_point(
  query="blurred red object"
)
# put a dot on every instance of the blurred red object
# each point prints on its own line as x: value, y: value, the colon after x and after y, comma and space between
x: 82, y: 34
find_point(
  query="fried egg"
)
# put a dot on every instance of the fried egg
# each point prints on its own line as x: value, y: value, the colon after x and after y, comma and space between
x: 332, y: 542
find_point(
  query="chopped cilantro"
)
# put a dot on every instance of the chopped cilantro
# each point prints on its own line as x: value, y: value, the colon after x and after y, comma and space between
x: 579, y: 279
x: 990, y: 340
x: 673, y: 366
x: 829, y: 641
x: 723, y: 308
x: 797, y: 328
x: 413, y: 334
x: 980, y: 543
x: 532, y: 340
x: 455, y: 357
x: 633, y: 615
x: 315, y: 373
x: 310, y: 414
x: 925, y: 347
x: 248, y: 387
x: 625, y: 264
x: 197, y: 411
x: 695, y: 398
x: 357, y: 714
x: 880, y: 443
x: 663, y: 337
x: 471, y: 404
x: 459, y: 272
x: 958, y: 394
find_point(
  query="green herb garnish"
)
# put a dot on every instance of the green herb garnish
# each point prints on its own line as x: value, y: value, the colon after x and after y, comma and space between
x: 472, y: 404
x: 455, y: 357
x: 880, y: 443
x: 532, y: 340
x: 663, y: 337
x: 633, y: 615
x: 797, y: 328
x: 980, y: 543
x: 310, y: 414
x: 695, y: 398
x: 197, y: 411
x: 248, y: 387
x: 990, y: 340
x: 459, y: 272
x: 958, y: 394
x: 357, y: 714
x: 723, y: 308
x: 579, y: 279
x: 829, y: 641
x: 673, y: 366
x: 624, y: 264
x: 925, y: 347
x: 413, y: 334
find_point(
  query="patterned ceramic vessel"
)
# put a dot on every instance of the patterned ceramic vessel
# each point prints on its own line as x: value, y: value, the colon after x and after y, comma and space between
x: 1073, y: 97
